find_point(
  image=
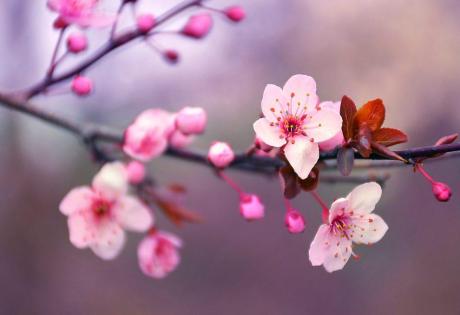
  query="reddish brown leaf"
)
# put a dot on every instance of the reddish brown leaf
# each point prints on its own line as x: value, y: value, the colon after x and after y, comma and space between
x: 345, y: 160
x: 363, y: 143
x: 384, y: 151
x: 311, y: 182
x: 372, y: 113
x: 289, y: 180
x: 389, y: 136
x: 347, y: 111
x: 178, y: 214
x: 447, y: 139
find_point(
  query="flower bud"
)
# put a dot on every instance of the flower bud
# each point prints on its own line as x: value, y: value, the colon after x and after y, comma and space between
x: 136, y: 172
x: 294, y: 221
x: 235, y: 13
x: 191, y: 120
x: 251, y: 208
x: 441, y: 191
x: 82, y: 86
x: 60, y: 23
x: 145, y: 22
x: 171, y: 56
x: 179, y: 141
x: 221, y: 154
x: 198, y: 26
x: 77, y: 42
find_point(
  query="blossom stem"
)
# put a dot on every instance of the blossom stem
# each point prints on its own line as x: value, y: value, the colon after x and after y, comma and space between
x: 325, y: 212
x: 115, y: 22
x: 54, y: 62
x: 287, y: 204
x: 230, y: 182
x: 419, y: 167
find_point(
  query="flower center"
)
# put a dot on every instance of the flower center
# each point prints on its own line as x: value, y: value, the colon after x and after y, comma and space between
x: 101, y: 207
x: 291, y: 126
x: 81, y: 5
x: 339, y: 226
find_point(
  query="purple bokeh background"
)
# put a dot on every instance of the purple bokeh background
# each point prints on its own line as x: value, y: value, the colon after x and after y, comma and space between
x: 405, y: 52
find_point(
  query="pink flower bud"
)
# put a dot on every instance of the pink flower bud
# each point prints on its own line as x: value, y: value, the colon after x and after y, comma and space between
x: 145, y: 22
x: 441, y: 191
x: 179, y: 141
x: 251, y: 208
x: 235, y: 14
x: 171, y: 55
x: 77, y: 42
x: 82, y: 86
x: 294, y: 221
x: 198, y: 26
x: 60, y: 23
x: 191, y: 120
x: 221, y: 154
x: 136, y: 172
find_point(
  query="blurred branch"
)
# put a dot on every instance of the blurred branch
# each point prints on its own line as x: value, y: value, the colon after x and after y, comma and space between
x: 91, y: 134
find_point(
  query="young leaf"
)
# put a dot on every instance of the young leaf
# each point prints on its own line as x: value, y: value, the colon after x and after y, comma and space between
x: 372, y: 113
x: 290, y: 185
x: 389, y: 136
x: 347, y: 111
x: 176, y: 213
x: 345, y: 160
x: 447, y: 139
x: 384, y: 151
x: 364, y: 138
x: 311, y: 182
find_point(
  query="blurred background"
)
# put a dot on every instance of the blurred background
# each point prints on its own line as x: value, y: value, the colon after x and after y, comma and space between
x: 405, y: 52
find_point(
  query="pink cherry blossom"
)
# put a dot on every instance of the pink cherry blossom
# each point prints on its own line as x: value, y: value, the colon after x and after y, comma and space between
x: 82, y: 86
x: 338, y: 139
x: 158, y: 254
x: 293, y: 120
x: 83, y: 13
x: 98, y: 215
x: 77, y: 42
x: 251, y: 208
x: 221, y: 154
x: 295, y: 222
x: 350, y: 221
x: 136, y: 172
x: 147, y: 137
x: 179, y: 141
x: 191, y: 120
x: 198, y: 25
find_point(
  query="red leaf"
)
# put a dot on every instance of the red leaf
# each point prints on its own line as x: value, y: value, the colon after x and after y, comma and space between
x: 345, y: 160
x: 364, y: 138
x: 389, y: 136
x: 372, y: 113
x: 311, y: 182
x: 290, y: 185
x: 178, y: 214
x: 347, y: 111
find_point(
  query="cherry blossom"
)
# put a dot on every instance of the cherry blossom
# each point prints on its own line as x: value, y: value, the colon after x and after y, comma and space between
x: 220, y: 154
x: 82, y: 86
x: 350, y: 221
x: 235, y: 13
x: 293, y: 120
x: 98, y: 215
x: 77, y: 42
x: 191, y: 120
x: 295, y: 222
x: 83, y: 13
x: 198, y: 26
x: 136, y: 172
x: 158, y: 254
x: 145, y: 22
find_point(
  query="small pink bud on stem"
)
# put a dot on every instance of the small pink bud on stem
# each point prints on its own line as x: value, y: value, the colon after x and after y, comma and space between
x: 295, y: 222
x: 77, y: 42
x: 235, y: 13
x: 171, y: 56
x: 191, y: 120
x: 136, y: 172
x: 82, y: 86
x: 251, y: 208
x: 145, y: 23
x: 198, y: 26
x: 220, y: 154
x: 442, y: 191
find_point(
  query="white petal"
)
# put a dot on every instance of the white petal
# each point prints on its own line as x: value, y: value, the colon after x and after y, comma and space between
x: 338, y: 254
x: 364, y: 197
x: 368, y: 229
x: 302, y: 90
x: 112, y: 180
x: 338, y: 208
x: 132, y: 214
x: 334, y: 106
x: 273, y: 102
x: 319, y: 246
x: 78, y: 199
x: 271, y: 135
x: 302, y: 155
x: 323, y: 125
x: 109, y: 240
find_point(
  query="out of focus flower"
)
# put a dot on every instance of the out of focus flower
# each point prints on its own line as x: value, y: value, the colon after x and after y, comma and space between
x: 83, y: 13
x: 221, y: 154
x: 158, y: 254
x: 338, y: 139
x: 82, y: 86
x: 295, y: 222
x: 235, y: 13
x: 198, y: 26
x: 136, y: 172
x: 191, y: 120
x: 171, y: 56
x: 251, y: 208
x: 147, y: 137
x: 179, y: 141
x: 293, y: 120
x: 145, y: 22
x: 350, y: 221
x: 98, y: 215
x: 77, y: 42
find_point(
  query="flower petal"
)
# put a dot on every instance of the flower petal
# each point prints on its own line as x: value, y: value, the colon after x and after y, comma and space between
x: 319, y: 246
x: 132, y: 214
x: 78, y: 199
x: 302, y: 155
x: 81, y: 232
x: 334, y: 106
x: 364, y: 197
x: 368, y: 229
x: 112, y: 180
x: 109, y: 240
x: 301, y: 91
x: 271, y: 135
x: 323, y: 125
x: 273, y: 102
x: 338, y: 208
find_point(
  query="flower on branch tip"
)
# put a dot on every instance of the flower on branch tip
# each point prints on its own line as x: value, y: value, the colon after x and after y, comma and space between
x: 294, y: 121
x: 82, y: 86
x: 350, y: 221
x: 145, y: 22
x: 83, y: 13
x: 158, y: 254
x: 295, y: 222
x: 235, y: 13
x: 198, y: 26
x: 98, y: 215
x: 77, y: 42
x: 251, y: 208
x: 220, y: 154
x: 147, y: 137
x: 191, y: 120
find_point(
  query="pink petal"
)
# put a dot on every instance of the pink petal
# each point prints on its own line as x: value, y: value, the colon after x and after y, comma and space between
x: 109, y: 240
x: 334, y: 106
x: 95, y: 19
x: 302, y: 155
x: 334, y: 142
x: 111, y: 181
x: 271, y: 135
x: 323, y: 125
x: 364, y: 197
x: 370, y: 228
x: 338, y: 208
x: 273, y: 102
x: 132, y: 214
x: 78, y: 199
x: 319, y: 246
x: 300, y: 90
x: 81, y: 231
